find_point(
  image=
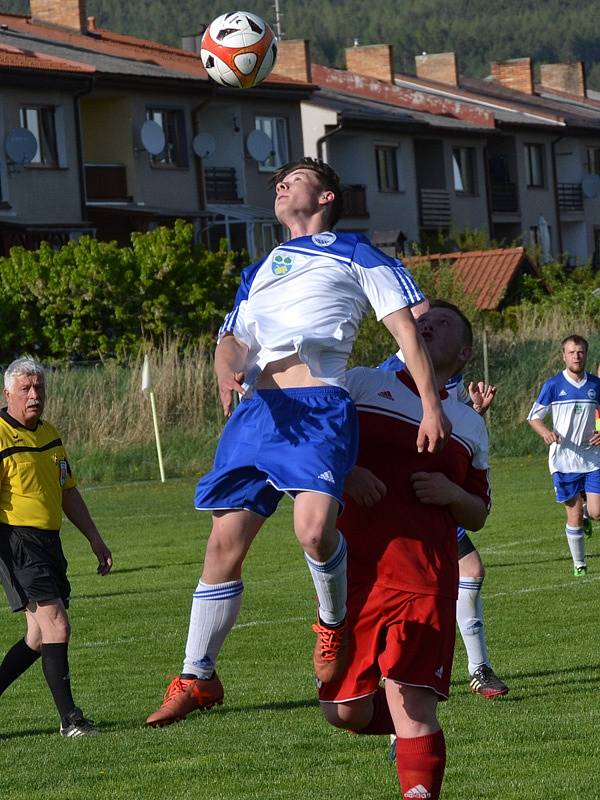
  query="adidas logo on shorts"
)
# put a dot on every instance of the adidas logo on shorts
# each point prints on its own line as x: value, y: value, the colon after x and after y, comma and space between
x: 418, y: 791
x: 327, y: 476
x: 386, y: 395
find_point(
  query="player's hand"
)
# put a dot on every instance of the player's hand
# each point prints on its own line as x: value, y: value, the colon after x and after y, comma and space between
x: 550, y: 437
x: 434, y: 431
x: 364, y: 487
x: 102, y: 553
x: 482, y: 396
x: 434, y: 488
x: 229, y: 383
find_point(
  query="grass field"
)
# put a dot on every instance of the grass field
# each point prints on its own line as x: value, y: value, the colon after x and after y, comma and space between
x: 269, y: 741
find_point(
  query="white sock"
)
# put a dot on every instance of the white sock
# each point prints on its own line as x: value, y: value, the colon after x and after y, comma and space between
x: 214, y: 611
x: 469, y: 616
x: 329, y: 578
x: 576, y: 542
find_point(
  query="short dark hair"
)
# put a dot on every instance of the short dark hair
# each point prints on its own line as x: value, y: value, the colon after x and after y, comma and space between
x: 328, y: 179
x: 576, y: 339
x: 467, y: 327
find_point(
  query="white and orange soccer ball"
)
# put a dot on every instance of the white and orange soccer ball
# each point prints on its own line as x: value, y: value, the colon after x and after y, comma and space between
x: 238, y: 50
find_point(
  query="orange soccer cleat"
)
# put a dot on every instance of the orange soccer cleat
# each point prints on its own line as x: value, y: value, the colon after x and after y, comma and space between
x: 185, y: 695
x: 331, y: 650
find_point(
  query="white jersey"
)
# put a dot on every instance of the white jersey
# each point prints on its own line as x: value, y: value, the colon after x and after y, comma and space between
x: 309, y: 295
x: 573, y: 405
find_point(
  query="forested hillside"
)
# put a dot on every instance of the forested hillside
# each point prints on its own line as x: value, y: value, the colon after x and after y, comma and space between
x: 479, y: 31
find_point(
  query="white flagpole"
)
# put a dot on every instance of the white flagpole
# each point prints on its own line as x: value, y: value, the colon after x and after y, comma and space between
x: 147, y: 389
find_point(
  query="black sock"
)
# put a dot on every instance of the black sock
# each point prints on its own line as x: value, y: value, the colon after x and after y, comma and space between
x: 18, y: 659
x: 55, y: 664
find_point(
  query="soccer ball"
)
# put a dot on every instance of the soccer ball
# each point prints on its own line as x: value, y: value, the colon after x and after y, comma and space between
x: 238, y: 50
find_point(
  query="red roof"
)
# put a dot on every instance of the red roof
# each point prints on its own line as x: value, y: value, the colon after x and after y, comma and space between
x: 15, y: 58
x: 122, y: 46
x: 484, y: 274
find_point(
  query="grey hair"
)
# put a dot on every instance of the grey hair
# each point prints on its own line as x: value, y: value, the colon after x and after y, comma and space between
x: 23, y: 366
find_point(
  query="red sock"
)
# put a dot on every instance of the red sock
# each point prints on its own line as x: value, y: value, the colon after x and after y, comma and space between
x: 420, y: 763
x: 381, y: 721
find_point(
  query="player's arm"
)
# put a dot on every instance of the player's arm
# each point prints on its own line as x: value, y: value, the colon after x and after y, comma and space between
x: 76, y: 510
x: 435, y: 428
x: 364, y: 487
x: 230, y: 360
x: 539, y: 426
x: 434, y: 488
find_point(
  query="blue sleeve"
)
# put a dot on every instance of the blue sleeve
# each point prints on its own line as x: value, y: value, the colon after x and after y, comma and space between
x: 392, y: 364
x: 235, y: 316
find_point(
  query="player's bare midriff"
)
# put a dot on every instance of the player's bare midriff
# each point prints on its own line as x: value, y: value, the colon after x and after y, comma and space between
x: 287, y: 373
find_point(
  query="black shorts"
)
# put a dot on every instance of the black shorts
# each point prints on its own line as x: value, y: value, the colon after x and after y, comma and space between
x: 32, y: 566
x: 465, y: 546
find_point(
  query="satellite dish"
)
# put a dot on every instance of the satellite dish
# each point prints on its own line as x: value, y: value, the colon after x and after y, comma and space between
x: 259, y: 145
x: 590, y: 185
x: 204, y: 145
x: 20, y: 146
x: 153, y: 137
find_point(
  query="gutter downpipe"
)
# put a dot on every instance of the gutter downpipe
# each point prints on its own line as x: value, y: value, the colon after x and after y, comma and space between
x: 556, y: 201
x: 327, y: 136
x: 79, y: 145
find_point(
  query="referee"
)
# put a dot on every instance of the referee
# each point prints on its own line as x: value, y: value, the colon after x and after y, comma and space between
x: 36, y: 486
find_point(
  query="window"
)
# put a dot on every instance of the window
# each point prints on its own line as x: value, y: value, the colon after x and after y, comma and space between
x: 39, y: 120
x: 172, y: 121
x: 463, y: 170
x: 593, y: 160
x: 535, y: 172
x: 276, y: 129
x: 387, y: 168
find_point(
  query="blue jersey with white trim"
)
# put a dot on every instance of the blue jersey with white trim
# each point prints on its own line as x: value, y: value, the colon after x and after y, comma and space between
x: 573, y: 405
x: 455, y: 385
x: 309, y: 295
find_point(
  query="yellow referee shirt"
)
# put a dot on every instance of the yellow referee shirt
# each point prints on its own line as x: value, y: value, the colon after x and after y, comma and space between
x: 33, y: 473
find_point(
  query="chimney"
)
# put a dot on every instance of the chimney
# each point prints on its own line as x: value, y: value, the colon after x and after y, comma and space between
x: 372, y: 60
x: 191, y: 42
x: 440, y: 67
x: 62, y: 13
x: 516, y: 73
x: 568, y: 78
x: 293, y: 59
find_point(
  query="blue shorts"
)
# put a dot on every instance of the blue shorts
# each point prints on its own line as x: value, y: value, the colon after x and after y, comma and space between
x: 282, y: 441
x: 568, y: 485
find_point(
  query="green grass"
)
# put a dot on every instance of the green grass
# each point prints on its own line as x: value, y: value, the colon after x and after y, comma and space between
x: 269, y: 741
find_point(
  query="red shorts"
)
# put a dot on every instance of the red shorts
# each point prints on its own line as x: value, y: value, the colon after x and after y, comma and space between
x: 402, y: 636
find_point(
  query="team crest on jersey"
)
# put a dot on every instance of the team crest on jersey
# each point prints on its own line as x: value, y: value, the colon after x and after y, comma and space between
x: 282, y: 264
x: 591, y: 394
x: 324, y: 239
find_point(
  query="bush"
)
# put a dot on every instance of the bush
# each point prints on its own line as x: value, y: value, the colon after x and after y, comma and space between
x: 95, y: 300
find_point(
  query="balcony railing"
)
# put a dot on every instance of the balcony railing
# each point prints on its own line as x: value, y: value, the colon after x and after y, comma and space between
x: 354, y: 201
x: 505, y: 197
x: 570, y: 197
x: 106, y: 182
x: 221, y: 185
x: 435, y: 208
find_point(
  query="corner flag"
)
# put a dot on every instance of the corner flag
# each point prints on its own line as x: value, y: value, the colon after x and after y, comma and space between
x: 147, y: 389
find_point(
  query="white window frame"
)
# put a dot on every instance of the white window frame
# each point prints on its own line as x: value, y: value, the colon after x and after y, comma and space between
x: 535, y: 171
x: 276, y: 128
x: 464, y: 173
x: 388, y: 177
x: 30, y: 117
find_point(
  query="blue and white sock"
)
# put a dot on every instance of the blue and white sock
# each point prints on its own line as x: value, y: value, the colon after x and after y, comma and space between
x: 215, y: 608
x: 576, y: 542
x: 329, y: 578
x: 469, y: 616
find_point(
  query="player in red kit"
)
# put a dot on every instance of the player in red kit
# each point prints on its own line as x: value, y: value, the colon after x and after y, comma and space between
x: 400, y: 524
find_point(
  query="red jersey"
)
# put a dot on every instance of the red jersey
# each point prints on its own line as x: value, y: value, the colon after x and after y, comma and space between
x: 400, y: 542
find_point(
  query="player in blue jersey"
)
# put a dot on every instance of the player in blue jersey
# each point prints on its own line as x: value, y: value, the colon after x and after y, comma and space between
x: 284, y: 349
x: 469, y: 606
x: 573, y: 397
